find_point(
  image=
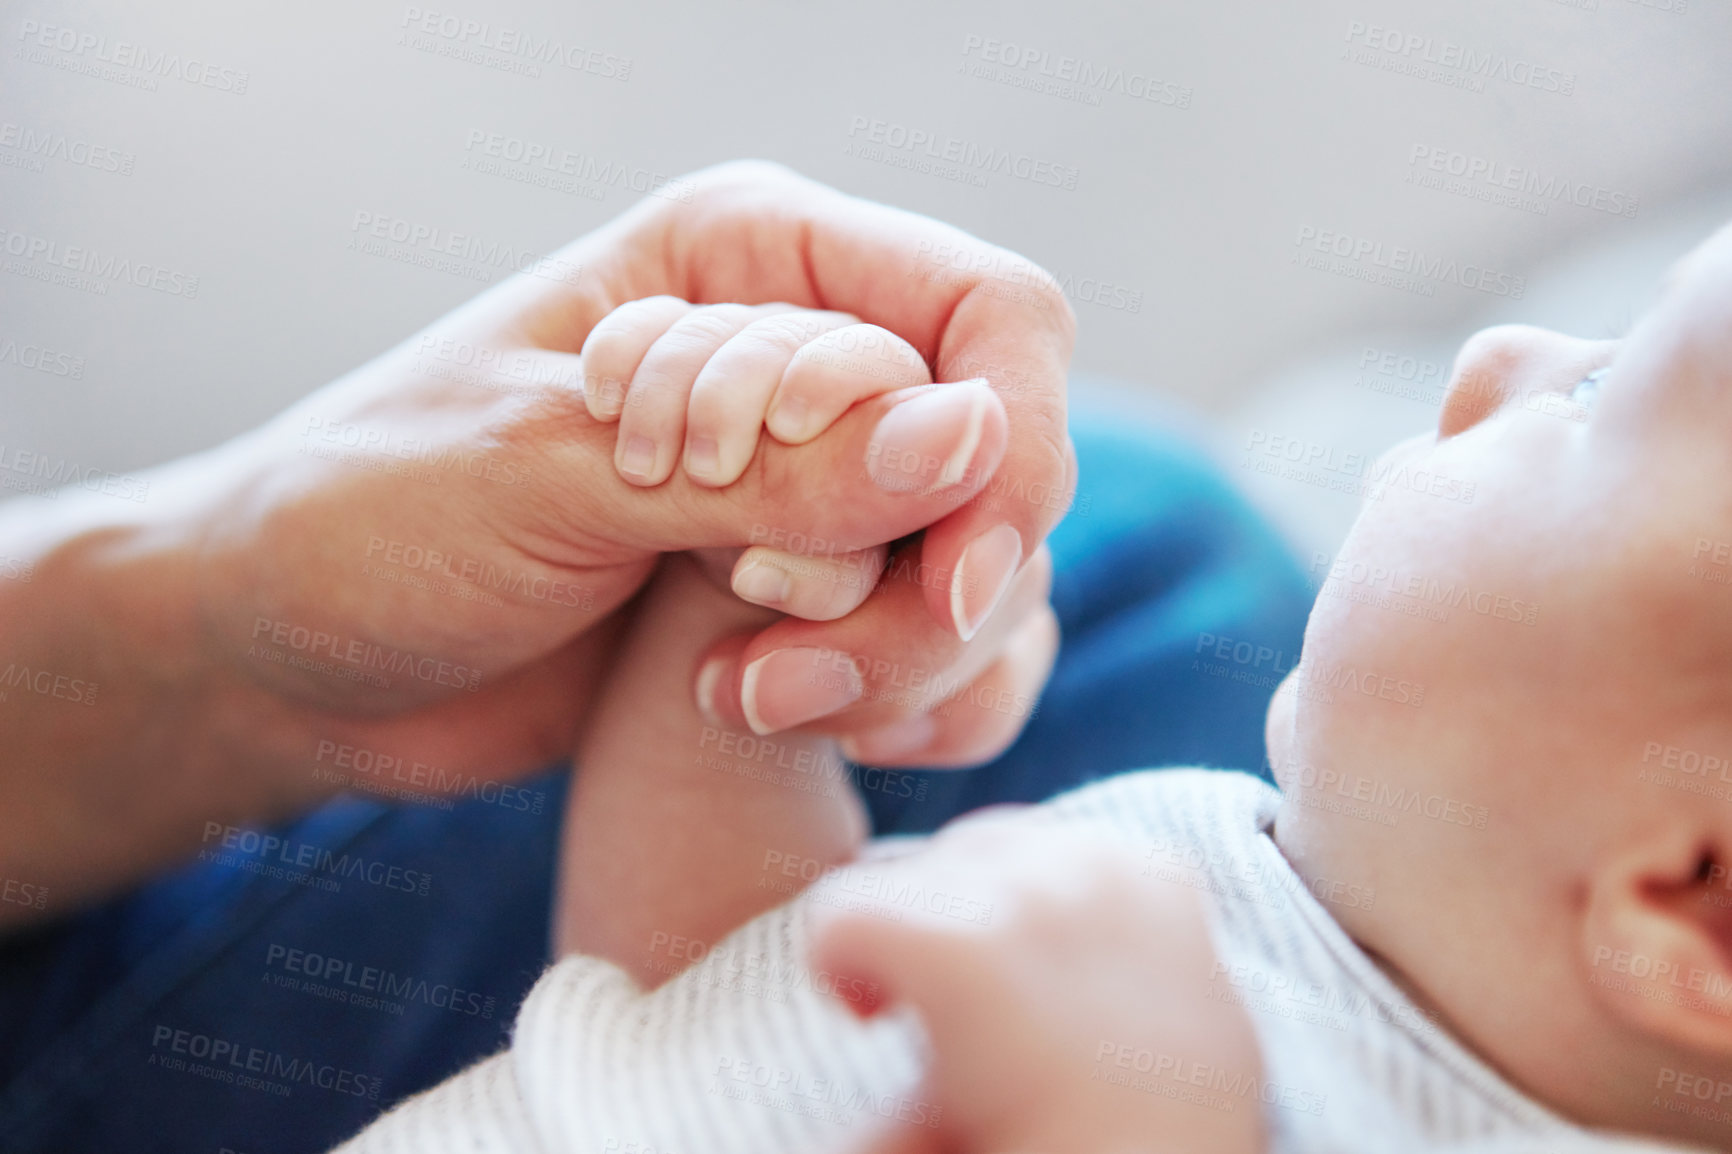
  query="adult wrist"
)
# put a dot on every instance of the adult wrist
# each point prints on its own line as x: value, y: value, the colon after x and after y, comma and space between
x: 125, y: 734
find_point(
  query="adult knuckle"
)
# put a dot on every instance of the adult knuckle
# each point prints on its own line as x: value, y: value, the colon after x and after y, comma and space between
x: 749, y: 173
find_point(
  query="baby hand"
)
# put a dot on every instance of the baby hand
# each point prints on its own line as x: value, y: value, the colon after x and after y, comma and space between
x: 1051, y: 962
x: 697, y: 381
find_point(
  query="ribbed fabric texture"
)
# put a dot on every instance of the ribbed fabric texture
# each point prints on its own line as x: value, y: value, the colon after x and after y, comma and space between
x: 748, y: 1052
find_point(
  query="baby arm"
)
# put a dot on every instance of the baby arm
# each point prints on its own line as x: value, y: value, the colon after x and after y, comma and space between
x: 1049, y: 969
x: 672, y: 818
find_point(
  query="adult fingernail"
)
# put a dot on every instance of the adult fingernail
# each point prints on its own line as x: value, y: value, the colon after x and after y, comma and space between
x: 793, y: 686
x: 927, y: 442
x: 709, y: 677
x: 982, y: 575
x: 639, y: 456
x: 763, y: 585
x: 788, y: 419
x: 703, y: 457
x: 899, y: 739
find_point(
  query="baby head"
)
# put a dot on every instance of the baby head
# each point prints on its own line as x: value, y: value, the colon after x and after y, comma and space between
x: 1513, y: 714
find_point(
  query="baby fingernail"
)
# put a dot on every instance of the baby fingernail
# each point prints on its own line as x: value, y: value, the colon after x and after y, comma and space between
x: 982, y: 575
x: 899, y: 739
x: 928, y: 441
x: 703, y: 457
x: 639, y: 457
x: 793, y: 686
x: 763, y: 585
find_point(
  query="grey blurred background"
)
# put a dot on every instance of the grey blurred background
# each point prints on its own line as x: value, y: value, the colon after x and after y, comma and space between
x: 1200, y: 150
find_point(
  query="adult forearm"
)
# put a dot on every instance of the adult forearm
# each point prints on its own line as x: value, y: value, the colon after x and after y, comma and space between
x: 115, y: 729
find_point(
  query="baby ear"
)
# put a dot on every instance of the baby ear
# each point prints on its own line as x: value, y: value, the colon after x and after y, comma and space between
x: 1657, y: 939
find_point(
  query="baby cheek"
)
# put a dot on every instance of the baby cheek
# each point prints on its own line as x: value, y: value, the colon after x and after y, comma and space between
x: 1373, y: 656
x: 1278, y: 728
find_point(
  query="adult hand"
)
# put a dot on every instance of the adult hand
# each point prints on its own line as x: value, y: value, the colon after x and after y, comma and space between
x: 418, y: 563
x: 548, y: 506
x: 900, y: 687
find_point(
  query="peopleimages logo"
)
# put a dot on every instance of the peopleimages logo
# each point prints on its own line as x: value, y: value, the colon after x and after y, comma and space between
x: 1512, y: 185
x: 47, y: 683
x: 24, y: 894
x: 1117, y: 1064
x: 41, y: 359
x: 39, y: 145
x: 27, y: 471
x: 355, y: 659
x: 239, y: 846
x: 346, y: 761
x: 39, y: 254
x: 1445, y: 61
x: 89, y: 49
x: 349, y: 443
x: 922, y: 148
x: 324, y: 975
x: 800, y: 1092
x: 993, y: 270
x: 1343, y: 575
x: 1398, y: 266
x: 485, y: 574
x: 447, y: 35
x: 226, y: 1060
x: 584, y: 168
x: 1067, y: 77
x: 1357, y: 473
x: 428, y: 245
